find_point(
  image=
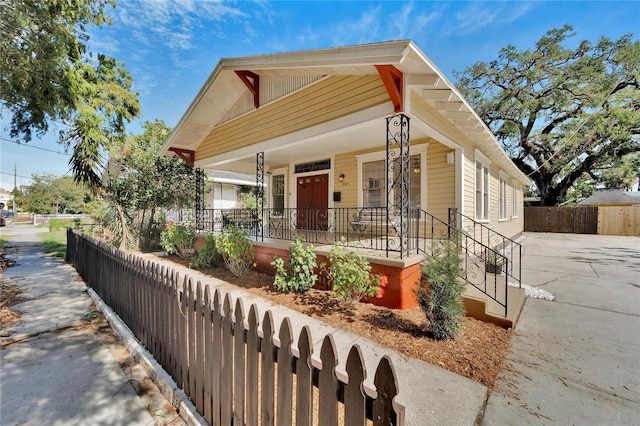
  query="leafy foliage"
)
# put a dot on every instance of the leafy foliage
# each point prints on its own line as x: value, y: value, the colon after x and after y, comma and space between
x: 237, y: 250
x: 298, y: 275
x: 440, y: 290
x: 563, y: 114
x: 350, y: 275
x: 207, y: 255
x: 42, y: 45
x: 48, y: 194
x: 178, y: 239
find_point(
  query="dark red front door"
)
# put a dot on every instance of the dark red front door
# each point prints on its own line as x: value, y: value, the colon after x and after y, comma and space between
x: 313, y: 202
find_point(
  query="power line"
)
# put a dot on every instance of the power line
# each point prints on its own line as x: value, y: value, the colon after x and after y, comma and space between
x: 11, y: 174
x: 35, y: 147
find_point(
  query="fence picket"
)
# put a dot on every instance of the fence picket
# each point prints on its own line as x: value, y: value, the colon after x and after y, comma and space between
x: 207, y: 350
x: 216, y: 357
x: 238, y: 364
x: 226, y: 369
x: 387, y: 388
x: 183, y: 352
x: 354, y: 399
x: 191, y: 353
x: 328, y: 384
x: 199, y: 349
x: 267, y: 373
x: 304, y: 379
x: 253, y: 348
x: 285, y: 375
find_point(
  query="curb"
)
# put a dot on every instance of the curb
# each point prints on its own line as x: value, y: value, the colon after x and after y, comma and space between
x: 161, y: 378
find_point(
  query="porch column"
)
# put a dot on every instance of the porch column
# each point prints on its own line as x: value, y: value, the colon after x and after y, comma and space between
x: 259, y: 195
x: 200, y: 179
x: 398, y: 182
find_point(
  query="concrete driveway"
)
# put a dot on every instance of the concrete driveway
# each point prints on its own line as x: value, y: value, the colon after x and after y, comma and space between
x: 575, y: 360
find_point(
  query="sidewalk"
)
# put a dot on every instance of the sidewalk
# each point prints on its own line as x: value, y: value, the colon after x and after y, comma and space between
x: 56, y: 369
x: 575, y: 360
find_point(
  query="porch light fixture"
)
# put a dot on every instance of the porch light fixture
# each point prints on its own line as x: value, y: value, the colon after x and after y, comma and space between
x: 341, y: 177
x: 416, y: 165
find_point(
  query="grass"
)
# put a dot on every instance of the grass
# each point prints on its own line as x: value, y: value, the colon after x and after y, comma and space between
x: 55, y: 242
x: 3, y: 240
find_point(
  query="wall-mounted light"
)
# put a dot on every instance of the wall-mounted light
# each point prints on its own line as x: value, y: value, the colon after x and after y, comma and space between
x: 416, y: 165
x: 341, y: 177
x: 450, y: 157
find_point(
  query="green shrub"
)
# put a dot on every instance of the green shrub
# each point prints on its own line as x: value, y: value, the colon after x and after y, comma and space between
x: 58, y: 224
x: 298, y: 276
x: 207, y: 255
x: 350, y: 275
x: 440, y: 290
x: 237, y: 250
x: 178, y: 239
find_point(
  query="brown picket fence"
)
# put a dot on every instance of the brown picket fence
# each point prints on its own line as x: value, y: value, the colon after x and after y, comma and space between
x: 232, y: 366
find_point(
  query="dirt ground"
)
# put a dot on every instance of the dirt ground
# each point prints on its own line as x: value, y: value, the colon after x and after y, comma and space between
x: 476, y: 353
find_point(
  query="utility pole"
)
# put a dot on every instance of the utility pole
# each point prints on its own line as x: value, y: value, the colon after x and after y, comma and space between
x: 15, y: 187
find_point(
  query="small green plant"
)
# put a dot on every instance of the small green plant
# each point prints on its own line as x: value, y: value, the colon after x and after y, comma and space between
x: 350, y: 275
x: 207, y: 255
x: 91, y: 316
x: 298, y: 275
x: 237, y: 250
x: 178, y: 239
x: 440, y: 290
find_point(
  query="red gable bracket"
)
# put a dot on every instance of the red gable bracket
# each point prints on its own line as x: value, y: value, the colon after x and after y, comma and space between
x: 392, y: 79
x: 187, y: 155
x: 252, y: 81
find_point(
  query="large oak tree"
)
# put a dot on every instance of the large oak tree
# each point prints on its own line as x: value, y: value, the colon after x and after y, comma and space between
x: 563, y: 110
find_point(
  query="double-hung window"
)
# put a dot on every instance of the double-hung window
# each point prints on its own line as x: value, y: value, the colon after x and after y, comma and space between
x: 482, y: 186
x: 277, y: 194
x: 503, y: 196
x: 514, y: 200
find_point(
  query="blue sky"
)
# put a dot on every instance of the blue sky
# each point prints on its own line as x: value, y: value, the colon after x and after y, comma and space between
x: 170, y: 47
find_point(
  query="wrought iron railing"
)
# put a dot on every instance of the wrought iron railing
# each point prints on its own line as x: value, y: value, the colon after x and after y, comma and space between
x: 481, y: 263
x: 375, y: 228
x: 507, y: 247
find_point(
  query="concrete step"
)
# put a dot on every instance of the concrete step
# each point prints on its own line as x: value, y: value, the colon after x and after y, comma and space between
x: 482, y: 307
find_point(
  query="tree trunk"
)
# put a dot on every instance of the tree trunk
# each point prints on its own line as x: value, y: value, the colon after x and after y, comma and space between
x: 147, y: 242
x: 123, y: 224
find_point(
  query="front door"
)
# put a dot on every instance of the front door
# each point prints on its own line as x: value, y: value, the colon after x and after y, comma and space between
x: 313, y: 202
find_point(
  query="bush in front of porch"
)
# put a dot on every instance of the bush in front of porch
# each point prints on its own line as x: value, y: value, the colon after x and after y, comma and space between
x: 298, y: 274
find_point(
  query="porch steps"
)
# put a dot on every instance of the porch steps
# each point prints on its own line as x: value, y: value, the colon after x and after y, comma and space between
x: 482, y: 307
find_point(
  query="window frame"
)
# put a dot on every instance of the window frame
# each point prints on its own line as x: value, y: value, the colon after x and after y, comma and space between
x: 514, y: 200
x: 502, y: 197
x: 273, y: 174
x: 484, y: 190
x: 420, y: 150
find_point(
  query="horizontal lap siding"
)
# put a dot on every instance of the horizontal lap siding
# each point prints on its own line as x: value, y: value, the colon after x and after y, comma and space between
x: 324, y: 101
x: 441, y: 183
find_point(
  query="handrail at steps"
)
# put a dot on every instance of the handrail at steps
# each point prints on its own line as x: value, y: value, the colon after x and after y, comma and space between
x: 477, y: 258
x: 508, y: 248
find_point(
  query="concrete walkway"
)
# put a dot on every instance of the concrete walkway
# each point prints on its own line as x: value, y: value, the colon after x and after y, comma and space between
x: 575, y: 360
x: 56, y: 372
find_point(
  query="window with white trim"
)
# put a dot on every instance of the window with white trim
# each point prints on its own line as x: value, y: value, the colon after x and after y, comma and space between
x: 482, y: 189
x: 514, y: 201
x: 277, y: 194
x: 372, y: 172
x: 503, y: 197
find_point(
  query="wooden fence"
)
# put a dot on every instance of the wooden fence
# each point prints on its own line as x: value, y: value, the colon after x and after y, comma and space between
x: 234, y: 373
x: 575, y: 220
x: 619, y: 220
x: 603, y: 220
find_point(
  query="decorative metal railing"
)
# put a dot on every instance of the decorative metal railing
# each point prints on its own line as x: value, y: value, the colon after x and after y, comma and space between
x: 507, y: 247
x: 378, y: 229
x: 482, y: 264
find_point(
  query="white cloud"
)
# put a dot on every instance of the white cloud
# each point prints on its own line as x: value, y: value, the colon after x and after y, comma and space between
x: 481, y: 15
x: 363, y: 30
x: 410, y: 21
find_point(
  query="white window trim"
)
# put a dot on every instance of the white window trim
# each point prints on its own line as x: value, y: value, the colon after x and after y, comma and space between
x: 486, y: 163
x: 281, y: 171
x: 514, y: 200
x: 503, y: 216
x: 382, y: 155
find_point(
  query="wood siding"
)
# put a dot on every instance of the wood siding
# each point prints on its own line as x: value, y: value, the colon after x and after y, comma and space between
x: 324, y: 101
x: 441, y: 181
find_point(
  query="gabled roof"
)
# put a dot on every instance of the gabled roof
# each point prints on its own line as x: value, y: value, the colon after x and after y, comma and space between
x: 609, y: 197
x: 223, y: 88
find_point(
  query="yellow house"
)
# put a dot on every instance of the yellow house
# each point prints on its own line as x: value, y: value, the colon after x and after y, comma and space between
x: 367, y: 145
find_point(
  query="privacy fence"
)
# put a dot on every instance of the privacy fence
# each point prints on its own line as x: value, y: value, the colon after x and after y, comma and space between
x: 236, y: 369
x: 604, y: 220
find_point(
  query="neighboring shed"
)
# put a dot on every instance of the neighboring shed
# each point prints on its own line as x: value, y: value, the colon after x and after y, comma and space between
x: 618, y: 212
